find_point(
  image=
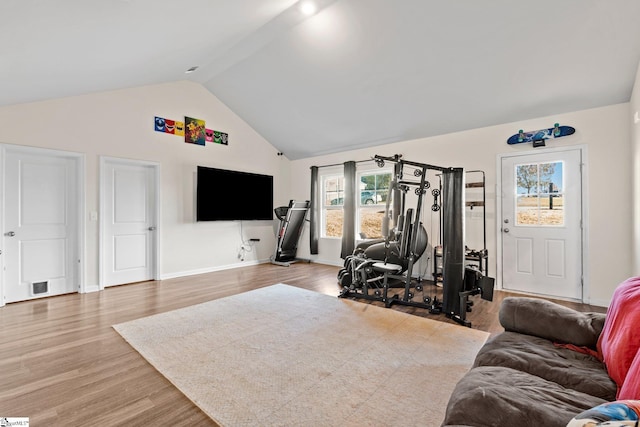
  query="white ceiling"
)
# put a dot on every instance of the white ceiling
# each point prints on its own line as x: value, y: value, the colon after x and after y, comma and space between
x: 357, y: 73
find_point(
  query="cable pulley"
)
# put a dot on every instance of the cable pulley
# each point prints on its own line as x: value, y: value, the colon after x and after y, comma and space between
x: 435, y: 193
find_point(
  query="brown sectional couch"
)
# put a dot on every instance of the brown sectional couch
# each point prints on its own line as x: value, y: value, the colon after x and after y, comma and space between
x: 525, y: 376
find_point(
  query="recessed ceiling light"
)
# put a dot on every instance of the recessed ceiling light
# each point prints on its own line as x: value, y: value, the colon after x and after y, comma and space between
x: 191, y: 70
x: 308, y: 8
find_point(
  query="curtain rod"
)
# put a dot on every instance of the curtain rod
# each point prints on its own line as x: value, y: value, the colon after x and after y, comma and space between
x: 340, y: 164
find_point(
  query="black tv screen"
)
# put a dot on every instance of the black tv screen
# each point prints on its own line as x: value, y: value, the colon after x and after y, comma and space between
x: 226, y: 195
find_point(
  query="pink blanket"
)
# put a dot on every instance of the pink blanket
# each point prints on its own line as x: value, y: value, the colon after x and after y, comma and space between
x: 619, y: 342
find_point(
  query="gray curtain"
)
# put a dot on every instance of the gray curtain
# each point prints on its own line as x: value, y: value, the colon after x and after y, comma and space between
x: 314, y: 230
x: 349, y: 208
x: 452, y: 239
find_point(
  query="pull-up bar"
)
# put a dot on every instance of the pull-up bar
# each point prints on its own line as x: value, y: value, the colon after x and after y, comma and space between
x: 398, y: 159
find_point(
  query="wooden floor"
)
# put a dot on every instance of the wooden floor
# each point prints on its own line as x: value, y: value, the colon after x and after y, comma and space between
x: 62, y: 364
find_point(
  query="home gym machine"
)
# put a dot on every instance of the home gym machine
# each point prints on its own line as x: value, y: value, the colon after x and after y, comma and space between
x: 292, y: 220
x: 377, y: 266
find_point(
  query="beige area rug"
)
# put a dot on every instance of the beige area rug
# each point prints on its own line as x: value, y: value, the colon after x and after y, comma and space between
x: 285, y: 356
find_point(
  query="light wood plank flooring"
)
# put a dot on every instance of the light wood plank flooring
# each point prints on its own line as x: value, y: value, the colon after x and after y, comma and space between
x: 62, y: 364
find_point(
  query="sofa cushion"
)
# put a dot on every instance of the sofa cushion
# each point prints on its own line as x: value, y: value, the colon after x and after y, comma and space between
x: 497, y: 396
x: 538, y: 356
x: 620, y: 339
x: 546, y: 319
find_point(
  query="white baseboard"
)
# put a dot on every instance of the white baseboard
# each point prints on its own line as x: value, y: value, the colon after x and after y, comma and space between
x: 211, y: 269
x: 327, y: 262
x: 90, y: 288
x: 236, y: 265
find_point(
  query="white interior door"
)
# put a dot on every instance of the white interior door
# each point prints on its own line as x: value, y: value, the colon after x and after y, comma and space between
x: 542, y: 223
x: 40, y: 224
x: 128, y: 214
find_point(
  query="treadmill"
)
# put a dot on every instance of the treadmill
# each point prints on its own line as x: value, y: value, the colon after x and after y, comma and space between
x: 292, y: 220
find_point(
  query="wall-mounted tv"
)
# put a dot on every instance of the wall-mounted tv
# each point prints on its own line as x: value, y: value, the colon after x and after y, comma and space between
x: 227, y: 195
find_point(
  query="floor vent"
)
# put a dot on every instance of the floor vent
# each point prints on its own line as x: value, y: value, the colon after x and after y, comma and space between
x: 38, y: 288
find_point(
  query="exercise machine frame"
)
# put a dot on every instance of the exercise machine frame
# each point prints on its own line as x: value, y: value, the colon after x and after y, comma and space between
x: 408, y: 231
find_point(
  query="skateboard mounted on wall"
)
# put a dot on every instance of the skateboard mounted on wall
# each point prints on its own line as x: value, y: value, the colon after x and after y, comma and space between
x: 538, y: 137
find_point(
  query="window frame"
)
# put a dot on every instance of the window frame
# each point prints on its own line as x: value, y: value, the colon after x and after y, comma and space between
x: 323, y: 177
x: 324, y: 207
x: 362, y: 207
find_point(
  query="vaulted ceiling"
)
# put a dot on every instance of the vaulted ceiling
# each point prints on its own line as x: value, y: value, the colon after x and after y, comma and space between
x: 356, y: 73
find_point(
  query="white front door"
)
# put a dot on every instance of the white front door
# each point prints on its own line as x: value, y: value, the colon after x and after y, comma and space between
x: 541, y: 223
x: 128, y: 215
x: 40, y: 224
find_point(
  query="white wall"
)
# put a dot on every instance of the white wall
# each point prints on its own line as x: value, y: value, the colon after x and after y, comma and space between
x: 120, y: 124
x: 605, y: 133
x: 634, y: 120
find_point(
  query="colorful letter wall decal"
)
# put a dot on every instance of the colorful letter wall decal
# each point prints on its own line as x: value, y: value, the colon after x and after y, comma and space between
x: 193, y: 130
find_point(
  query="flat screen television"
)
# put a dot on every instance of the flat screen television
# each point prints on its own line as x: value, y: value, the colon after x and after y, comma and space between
x: 227, y: 195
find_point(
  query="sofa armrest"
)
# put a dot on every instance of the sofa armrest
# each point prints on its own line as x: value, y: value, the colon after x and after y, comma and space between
x: 545, y: 319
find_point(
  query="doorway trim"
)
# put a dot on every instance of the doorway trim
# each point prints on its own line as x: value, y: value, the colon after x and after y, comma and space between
x: 80, y: 168
x: 585, y: 211
x: 102, y: 214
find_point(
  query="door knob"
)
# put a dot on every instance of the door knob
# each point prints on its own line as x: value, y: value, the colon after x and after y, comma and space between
x: 506, y: 230
x: 10, y: 234
x: 151, y: 228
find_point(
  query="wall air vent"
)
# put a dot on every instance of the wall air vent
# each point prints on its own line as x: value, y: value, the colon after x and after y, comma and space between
x: 38, y: 288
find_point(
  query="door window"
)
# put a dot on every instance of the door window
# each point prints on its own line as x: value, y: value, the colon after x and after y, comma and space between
x: 540, y: 194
